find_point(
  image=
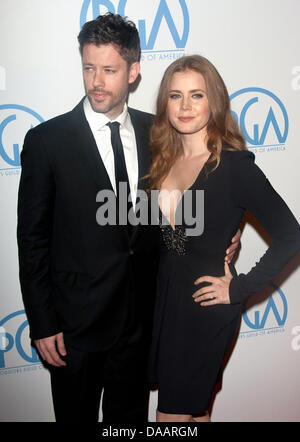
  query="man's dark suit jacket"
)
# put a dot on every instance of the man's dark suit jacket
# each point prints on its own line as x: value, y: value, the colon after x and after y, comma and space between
x: 78, y: 277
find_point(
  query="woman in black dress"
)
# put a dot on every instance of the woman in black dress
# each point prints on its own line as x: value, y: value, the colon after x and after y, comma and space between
x: 196, y: 145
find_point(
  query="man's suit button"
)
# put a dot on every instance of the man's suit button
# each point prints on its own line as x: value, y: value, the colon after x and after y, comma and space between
x: 131, y: 252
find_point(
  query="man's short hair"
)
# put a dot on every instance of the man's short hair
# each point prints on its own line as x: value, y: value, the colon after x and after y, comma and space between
x: 112, y: 29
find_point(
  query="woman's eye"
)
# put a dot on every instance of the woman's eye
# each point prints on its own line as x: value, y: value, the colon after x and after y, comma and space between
x: 174, y: 96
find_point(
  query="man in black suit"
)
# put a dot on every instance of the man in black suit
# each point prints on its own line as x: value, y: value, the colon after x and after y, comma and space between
x: 88, y: 290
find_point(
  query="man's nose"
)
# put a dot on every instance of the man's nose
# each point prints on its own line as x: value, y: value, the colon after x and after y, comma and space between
x: 98, y: 80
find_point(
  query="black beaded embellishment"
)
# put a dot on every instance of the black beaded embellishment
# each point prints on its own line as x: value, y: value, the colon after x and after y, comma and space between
x: 174, y: 239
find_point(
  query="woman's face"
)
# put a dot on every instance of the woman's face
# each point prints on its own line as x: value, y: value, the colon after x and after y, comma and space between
x: 188, y: 109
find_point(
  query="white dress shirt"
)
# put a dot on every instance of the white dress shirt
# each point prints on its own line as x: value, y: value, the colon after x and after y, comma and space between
x: 102, y: 134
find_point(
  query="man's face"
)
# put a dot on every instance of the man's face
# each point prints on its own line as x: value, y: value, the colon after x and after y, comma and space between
x: 107, y: 77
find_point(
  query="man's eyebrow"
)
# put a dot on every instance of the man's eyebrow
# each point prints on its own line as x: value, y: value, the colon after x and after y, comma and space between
x: 109, y: 66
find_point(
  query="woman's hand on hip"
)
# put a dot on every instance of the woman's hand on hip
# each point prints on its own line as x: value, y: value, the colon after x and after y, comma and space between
x: 218, y: 290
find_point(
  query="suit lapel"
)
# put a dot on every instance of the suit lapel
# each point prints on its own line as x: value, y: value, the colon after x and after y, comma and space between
x: 143, y: 151
x: 142, y: 144
x: 85, y: 144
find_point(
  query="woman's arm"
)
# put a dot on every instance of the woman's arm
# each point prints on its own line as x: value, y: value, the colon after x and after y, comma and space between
x: 252, y: 191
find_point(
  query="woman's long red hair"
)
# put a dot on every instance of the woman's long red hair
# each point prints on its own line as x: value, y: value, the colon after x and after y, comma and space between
x: 222, y: 129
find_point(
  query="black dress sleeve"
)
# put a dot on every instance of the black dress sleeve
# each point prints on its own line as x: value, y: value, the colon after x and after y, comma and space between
x: 252, y: 191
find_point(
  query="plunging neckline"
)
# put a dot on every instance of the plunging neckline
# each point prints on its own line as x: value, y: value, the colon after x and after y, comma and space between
x: 182, y: 196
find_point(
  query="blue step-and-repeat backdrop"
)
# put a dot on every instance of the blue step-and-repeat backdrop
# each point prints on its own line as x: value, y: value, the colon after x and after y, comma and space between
x: 255, y: 46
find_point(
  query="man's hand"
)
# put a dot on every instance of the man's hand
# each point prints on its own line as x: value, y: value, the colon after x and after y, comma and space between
x: 51, y: 349
x: 235, y: 244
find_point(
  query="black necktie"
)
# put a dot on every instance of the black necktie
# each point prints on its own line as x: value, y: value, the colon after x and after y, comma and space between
x: 120, y: 164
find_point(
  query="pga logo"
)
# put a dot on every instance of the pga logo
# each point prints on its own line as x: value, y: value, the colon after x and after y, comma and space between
x: 163, y: 24
x: 271, y: 314
x: 15, y: 347
x: 15, y: 121
x: 261, y: 115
